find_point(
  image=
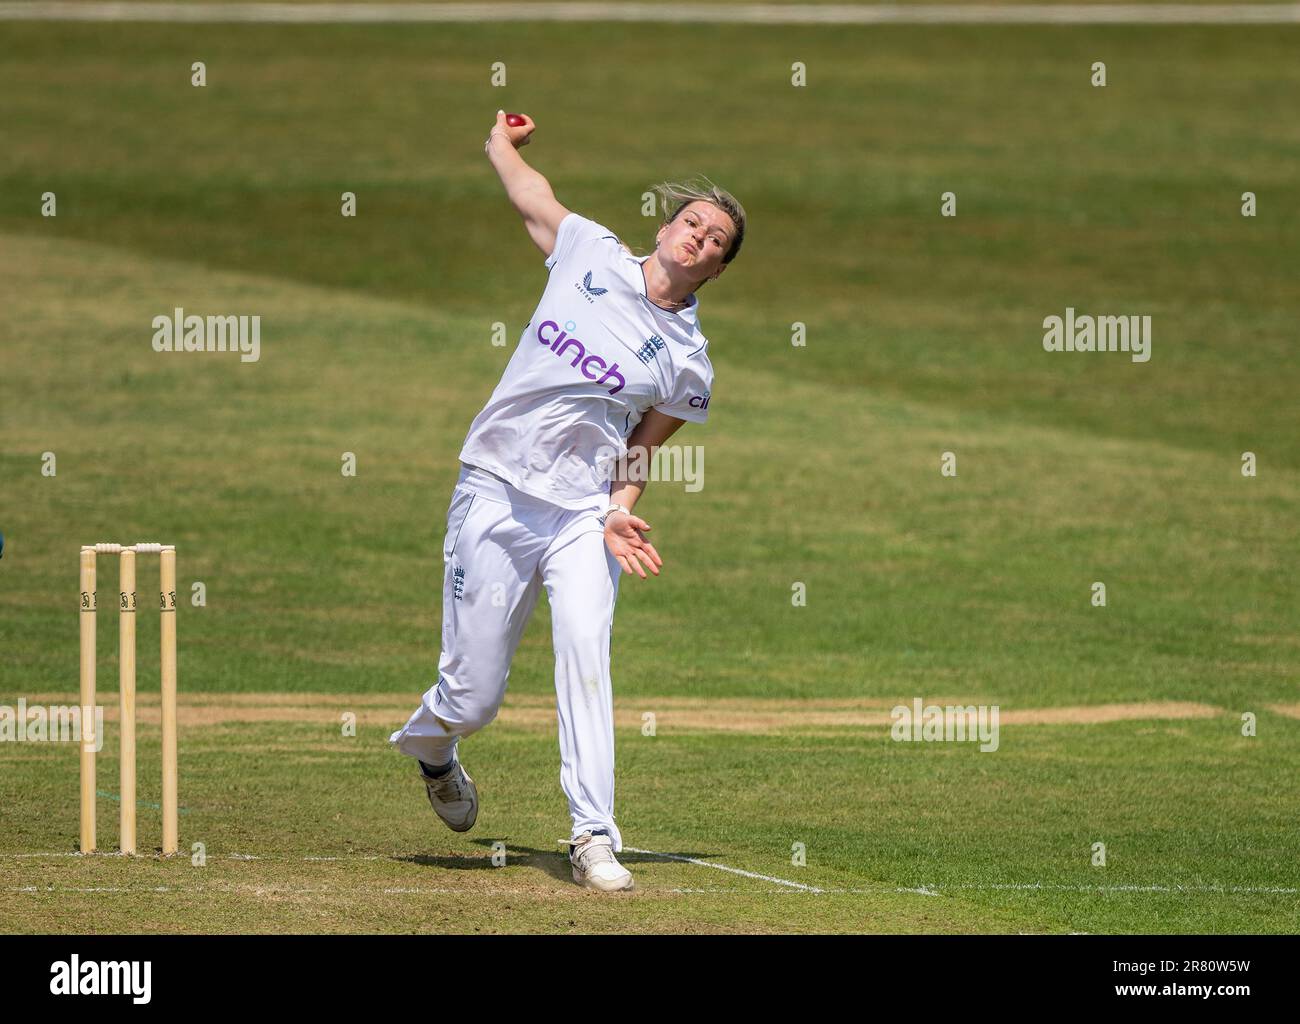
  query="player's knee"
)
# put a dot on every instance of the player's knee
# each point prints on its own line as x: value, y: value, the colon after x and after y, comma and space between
x: 474, y: 717
x: 582, y: 635
x: 461, y: 711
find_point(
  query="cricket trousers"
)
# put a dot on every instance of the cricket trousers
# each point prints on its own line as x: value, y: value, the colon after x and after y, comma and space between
x: 502, y: 546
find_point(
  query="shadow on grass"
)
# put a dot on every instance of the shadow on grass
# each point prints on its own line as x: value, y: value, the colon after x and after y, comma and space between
x: 553, y: 862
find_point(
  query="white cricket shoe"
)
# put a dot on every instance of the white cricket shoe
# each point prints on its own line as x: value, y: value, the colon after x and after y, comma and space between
x: 594, y: 865
x: 453, y: 797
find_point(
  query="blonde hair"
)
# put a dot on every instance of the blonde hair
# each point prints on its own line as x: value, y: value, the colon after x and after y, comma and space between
x: 677, y: 195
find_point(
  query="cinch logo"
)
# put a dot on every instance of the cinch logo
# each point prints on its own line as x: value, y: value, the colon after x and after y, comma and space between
x: 560, y: 343
x: 589, y: 290
x: 699, y: 402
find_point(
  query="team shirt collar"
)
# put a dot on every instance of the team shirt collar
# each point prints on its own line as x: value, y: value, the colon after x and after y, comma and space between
x: 688, y: 314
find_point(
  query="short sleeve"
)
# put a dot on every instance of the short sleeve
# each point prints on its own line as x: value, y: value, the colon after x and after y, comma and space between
x: 574, y: 230
x: 690, y: 395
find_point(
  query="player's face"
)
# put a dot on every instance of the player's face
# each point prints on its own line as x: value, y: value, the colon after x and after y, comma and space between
x: 697, y: 239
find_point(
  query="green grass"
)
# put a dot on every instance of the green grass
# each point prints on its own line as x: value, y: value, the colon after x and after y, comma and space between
x: 822, y: 464
x: 1186, y: 809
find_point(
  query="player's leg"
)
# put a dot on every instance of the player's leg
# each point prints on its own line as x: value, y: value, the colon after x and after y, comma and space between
x: 581, y: 579
x: 490, y: 587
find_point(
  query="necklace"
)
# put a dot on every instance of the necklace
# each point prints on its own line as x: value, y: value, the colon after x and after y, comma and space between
x: 672, y: 306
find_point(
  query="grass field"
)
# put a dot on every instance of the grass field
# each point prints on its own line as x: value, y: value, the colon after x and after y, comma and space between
x: 1121, y: 725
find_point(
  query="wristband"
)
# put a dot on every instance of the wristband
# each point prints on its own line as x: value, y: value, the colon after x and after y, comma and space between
x: 615, y: 508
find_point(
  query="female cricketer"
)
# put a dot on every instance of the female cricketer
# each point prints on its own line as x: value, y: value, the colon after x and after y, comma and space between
x: 611, y: 364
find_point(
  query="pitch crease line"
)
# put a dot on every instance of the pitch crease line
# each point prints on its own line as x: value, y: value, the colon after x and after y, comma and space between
x: 724, y: 867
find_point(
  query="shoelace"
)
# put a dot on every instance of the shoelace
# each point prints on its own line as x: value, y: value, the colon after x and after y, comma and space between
x: 591, y: 853
x: 448, y: 787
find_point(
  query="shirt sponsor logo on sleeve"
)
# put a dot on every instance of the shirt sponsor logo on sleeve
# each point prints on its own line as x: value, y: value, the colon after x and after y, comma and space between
x: 699, y: 401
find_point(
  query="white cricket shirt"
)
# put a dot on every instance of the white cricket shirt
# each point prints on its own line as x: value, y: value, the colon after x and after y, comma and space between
x: 595, y: 356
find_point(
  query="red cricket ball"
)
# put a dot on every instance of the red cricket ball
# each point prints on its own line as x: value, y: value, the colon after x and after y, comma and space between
x: 516, y: 120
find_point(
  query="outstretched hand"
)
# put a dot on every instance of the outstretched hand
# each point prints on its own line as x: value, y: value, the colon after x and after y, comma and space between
x: 627, y: 543
x: 519, y: 135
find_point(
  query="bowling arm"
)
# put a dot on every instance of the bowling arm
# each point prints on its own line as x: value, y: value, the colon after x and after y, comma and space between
x: 528, y: 191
